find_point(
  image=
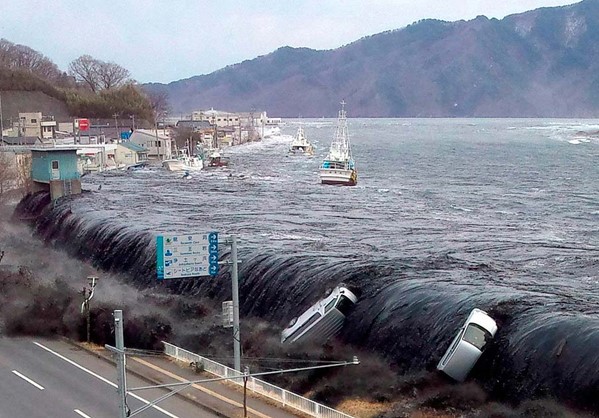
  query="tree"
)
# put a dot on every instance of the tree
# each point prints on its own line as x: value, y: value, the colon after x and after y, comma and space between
x: 160, y: 104
x: 21, y: 57
x: 7, y: 172
x: 111, y: 75
x: 98, y: 75
x: 23, y: 174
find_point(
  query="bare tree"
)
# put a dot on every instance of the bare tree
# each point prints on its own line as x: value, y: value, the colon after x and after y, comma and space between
x: 111, y: 75
x: 21, y: 57
x: 85, y: 70
x: 98, y: 75
x: 7, y: 172
x: 160, y: 104
x: 23, y: 173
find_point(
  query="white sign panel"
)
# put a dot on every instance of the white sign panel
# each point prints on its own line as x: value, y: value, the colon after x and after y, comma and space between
x: 186, y: 255
x: 228, y: 314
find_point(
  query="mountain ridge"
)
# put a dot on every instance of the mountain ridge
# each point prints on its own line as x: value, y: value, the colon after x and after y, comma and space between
x: 540, y: 63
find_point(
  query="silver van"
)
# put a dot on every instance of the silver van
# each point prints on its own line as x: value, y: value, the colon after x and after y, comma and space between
x: 322, y: 320
x: 468, y: 345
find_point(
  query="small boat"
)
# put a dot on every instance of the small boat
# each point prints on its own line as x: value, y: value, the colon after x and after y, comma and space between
x: 215, y: 159
x: 323, y: 320
x: 300, y: 144
x: 183, y: 162
x: 339, y: 168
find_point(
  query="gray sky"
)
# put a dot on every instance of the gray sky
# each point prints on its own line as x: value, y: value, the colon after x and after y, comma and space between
x: 167, y: 40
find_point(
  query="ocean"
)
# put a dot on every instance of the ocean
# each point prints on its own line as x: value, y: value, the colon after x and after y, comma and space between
x: 448, y: 215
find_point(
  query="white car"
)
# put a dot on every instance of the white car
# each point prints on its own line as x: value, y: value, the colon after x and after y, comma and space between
x: 468, y: 345
x: 322, y: 320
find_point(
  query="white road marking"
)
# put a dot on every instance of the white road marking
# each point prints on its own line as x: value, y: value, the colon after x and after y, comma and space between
x: 84, y: 415
x: 25, y: 378
x: 97, y: 376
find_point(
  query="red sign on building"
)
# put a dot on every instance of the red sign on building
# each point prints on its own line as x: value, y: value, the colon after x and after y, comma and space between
x: 83, y: 124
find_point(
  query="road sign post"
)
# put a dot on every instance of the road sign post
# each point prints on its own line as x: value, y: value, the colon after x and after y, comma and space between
x: 186, y: 255
x: 235, y: 292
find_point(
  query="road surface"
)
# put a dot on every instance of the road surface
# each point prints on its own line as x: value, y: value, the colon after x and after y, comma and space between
x: 52, y: 379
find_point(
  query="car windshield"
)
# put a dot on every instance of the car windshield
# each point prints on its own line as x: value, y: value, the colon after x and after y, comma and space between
x: 477, y: 336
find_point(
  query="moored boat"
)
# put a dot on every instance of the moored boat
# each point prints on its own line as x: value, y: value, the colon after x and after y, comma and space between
x: 339, y: 168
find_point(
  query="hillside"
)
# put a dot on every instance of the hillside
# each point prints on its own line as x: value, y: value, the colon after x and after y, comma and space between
x: 542, y: 63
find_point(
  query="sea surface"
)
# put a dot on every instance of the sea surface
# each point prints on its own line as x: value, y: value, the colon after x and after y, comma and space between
x: 448, y: 215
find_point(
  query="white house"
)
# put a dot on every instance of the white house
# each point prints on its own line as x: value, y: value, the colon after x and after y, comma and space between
x: 157, y: 142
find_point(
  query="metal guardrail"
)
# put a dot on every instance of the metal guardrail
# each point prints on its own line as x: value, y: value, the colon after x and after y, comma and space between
x: 261, y: 387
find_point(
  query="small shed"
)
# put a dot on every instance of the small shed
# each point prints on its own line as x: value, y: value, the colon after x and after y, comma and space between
x: 128, y: 153
x: 55, y: 170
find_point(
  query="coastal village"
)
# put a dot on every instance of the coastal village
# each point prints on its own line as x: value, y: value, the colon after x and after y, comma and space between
x: 39, y: 152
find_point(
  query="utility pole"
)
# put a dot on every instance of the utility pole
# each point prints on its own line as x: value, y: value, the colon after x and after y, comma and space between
x: 88, y: 294
x: 116, y: 125
x: 1, y: 123
x: 133, y: 118
x: 157, y: 140
x: 235, y: 292
x: 120, y: 364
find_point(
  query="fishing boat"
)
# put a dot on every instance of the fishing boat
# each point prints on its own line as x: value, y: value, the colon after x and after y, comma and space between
x: 300, y: 144
x: 216, y: 159
x: 183, y: 162
x: 338, y: 168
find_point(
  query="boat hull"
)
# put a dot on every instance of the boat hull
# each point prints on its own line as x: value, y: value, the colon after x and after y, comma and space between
x: 182, y: 165
x: 301, y: 150
x: 338, y: 177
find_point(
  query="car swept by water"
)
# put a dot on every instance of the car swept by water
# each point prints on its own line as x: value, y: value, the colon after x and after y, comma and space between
x: 322, y: 320
x: 468, y: 345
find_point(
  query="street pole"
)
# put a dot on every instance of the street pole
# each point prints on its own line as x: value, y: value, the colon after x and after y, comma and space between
x: 235, y: 292
x: 116, y: 126
x: 157, y: 140
x: 88, y: 320
x: 88, y: 294
x: 120, y: 352
x: 1, y: 123
x: 246, y: 373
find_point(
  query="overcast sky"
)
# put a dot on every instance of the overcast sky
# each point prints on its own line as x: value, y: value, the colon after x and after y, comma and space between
x: 168, y: 40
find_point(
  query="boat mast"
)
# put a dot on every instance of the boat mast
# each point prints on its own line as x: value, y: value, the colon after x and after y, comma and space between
x: 341, y: 135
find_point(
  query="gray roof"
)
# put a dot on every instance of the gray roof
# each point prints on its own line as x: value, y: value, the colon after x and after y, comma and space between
x: 194, y: 124
x: 22, y: 140
x: 133, y: 146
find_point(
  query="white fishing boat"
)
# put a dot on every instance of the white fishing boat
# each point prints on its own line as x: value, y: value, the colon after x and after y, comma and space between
x: 300, y: 144
x: 339, y: 168
x: 183, y: 162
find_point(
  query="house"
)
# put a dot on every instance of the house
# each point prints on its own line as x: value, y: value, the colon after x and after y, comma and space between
x: 128, y: 153
x: 96, y: 157
x: 56, y: 171
x: 194, y: 125
x: 35, y: 124
x: 156, y: 141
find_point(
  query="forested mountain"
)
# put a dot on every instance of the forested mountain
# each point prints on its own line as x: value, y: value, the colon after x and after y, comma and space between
x: 542, y: 63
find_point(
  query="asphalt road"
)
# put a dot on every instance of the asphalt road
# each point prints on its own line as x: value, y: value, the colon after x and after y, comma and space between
x: 53, y: 379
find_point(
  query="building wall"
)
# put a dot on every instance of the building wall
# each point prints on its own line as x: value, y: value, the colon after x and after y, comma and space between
x: 124, y: 155
x: 31, y: 123
x: 41, y: 166
x: 157, y: 147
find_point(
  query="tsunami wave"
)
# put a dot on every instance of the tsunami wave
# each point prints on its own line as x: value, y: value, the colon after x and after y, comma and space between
x: 408, y: 310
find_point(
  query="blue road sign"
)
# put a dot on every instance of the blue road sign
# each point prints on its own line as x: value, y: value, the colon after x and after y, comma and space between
x: 189, y: 255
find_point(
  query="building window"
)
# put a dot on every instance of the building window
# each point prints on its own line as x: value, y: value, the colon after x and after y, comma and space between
x: 33, y: 120
x: 54, y: 165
